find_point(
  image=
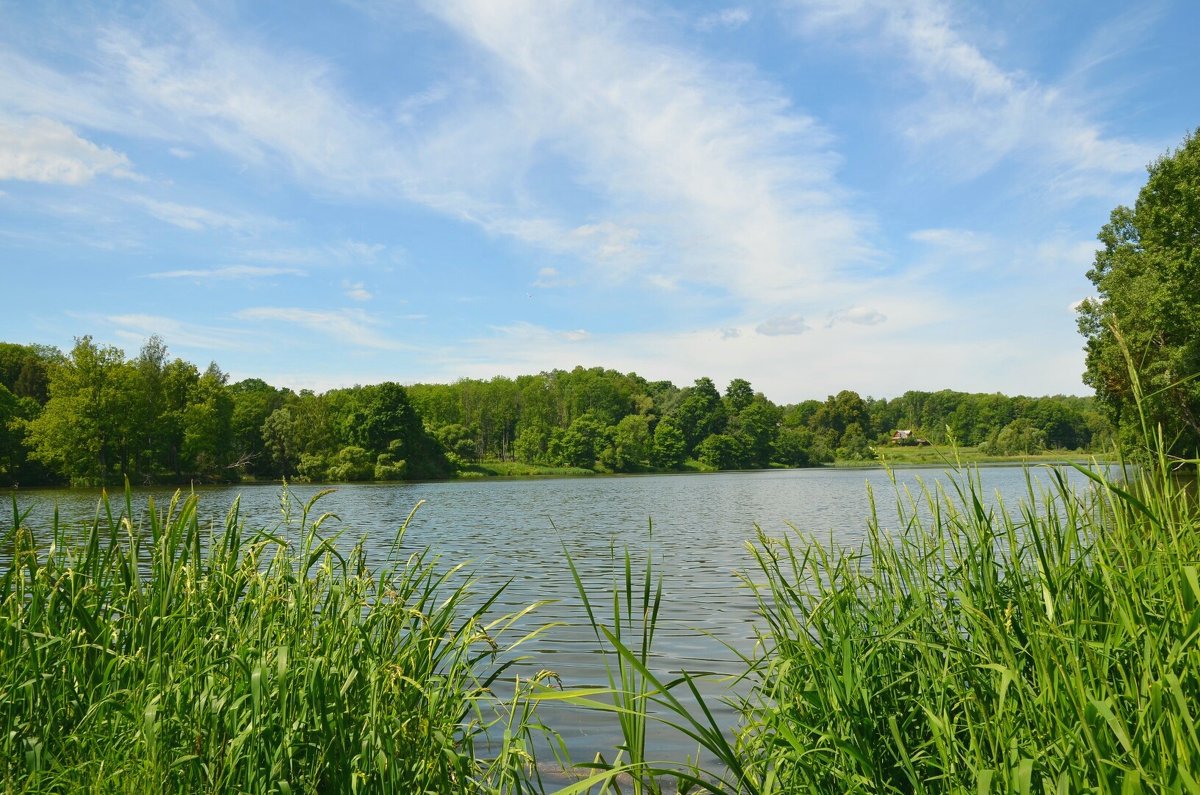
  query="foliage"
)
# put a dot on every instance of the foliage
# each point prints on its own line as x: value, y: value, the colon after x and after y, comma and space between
x: 722, y: 451
x: 631, y: 445
x: 155, y: 418
x: 151, y: 656
x: 82, y: 431
x: 1019, y: 437
x: 1147, y: 277
x: 670, y: 448
x: 970, y: 649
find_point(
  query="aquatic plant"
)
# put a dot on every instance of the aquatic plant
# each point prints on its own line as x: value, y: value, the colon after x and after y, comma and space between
x: 153, y: 655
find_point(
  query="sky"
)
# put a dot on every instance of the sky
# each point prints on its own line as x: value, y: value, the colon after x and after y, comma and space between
x: 813, y: 195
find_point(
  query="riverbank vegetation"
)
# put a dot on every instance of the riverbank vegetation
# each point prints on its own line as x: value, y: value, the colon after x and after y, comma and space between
x: 92, y: 416
x: 1047, y: 647
x: 152, y: 654
x: 1050, y: 647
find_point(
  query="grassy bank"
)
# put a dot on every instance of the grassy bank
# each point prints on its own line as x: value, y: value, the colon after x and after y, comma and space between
x: 1047, y: 647
x: 948, y: 455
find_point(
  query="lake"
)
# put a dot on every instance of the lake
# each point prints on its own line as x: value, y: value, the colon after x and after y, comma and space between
x: 695, y: 526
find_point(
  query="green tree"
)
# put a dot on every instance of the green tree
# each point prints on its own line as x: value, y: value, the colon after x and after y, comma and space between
x: 580, y: 444
x: 670, y: 446
x: 838, y: 413
x: 1147, y: 279
x: 253, y: 401
x: 722, y: 451
x: 700, y: 413
x: 459, y: 441
x: 854, y: 445
x: 207, y: 427
x: 631, y: 445
x: 385, y: 422
x: 1019, y: 437
x: 531, y: 444
x: 15, y: 413
x: 738, y: 395
x: 792, y: 446
x: 281, y: 442
x: 79, y: 431
x: 758, y: 424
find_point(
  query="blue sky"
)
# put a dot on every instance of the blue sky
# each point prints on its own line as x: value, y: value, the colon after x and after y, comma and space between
x: 877, y: 195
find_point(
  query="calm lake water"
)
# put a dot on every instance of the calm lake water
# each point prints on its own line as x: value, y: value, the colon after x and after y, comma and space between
x: 695, y: 527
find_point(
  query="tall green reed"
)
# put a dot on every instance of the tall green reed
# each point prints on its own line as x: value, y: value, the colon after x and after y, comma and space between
x: 153, y: 655
x: 1053, y: 647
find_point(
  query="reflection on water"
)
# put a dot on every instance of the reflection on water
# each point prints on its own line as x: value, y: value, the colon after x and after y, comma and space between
x: 695, y: 526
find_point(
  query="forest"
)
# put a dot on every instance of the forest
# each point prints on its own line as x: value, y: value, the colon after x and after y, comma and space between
x: 94, y: 416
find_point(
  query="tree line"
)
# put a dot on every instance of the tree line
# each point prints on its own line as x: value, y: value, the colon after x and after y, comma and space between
x: 92, y: 415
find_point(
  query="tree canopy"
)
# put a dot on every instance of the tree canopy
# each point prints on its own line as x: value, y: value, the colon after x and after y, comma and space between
x: 93, y: 416
x: 1147, y: 278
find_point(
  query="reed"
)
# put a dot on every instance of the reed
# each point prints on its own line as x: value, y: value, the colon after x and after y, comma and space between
x: 151, y: 655
x: 1053, y: 647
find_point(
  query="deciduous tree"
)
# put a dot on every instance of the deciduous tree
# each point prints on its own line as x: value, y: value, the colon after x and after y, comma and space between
x: 1147, y: 278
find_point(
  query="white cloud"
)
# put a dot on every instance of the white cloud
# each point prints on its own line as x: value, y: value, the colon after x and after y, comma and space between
x: 44, y: 150
x: 357, y: 291
x: 548, y: 278
x: 858, y: 315
x: 727, y: 18
x: 230, y: 272
x: 136, y: 328
x: 960, y: 241
x: 351, y: 326
x: 706, y: 171
x: 785, y: 325
x: 181, y: 153
x: 193, y: 218
x: 346, y: 252
x: 724, y: 182
x: 607, y: 240
x: 975, y: 113
x: 787, y: 368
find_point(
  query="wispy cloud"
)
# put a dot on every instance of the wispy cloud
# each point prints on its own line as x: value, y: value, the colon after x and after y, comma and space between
x: 785, y: 325
x: 357, y: 291
x: 740, y: 186
x: 726, y: 18
x: 230, y: 272
x: 135, y: 329
x: 707, y: 172
x: 974, y: 112
x: 352, y: 326
x: 38, y: 149
x: 345, y: 252
x: 197, y: 219
x: 548, y: 278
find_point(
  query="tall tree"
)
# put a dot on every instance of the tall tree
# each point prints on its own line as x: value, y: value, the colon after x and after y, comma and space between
x: 1147, y: 277
x: 79, y: 431
x: 701, y: 413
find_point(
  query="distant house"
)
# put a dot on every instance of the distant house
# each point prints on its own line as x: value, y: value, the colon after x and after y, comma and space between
x: 906, y: 438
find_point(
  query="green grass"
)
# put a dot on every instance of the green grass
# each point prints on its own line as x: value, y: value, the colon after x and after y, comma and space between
x: 951, y: 455
x: 1049, y: 648
x: 154, y: 656
x: 517, y: 469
